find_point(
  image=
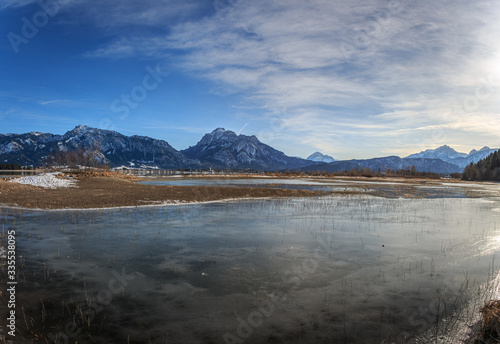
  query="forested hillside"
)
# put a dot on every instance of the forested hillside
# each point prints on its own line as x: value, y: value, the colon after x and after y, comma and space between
x: 485, y: 169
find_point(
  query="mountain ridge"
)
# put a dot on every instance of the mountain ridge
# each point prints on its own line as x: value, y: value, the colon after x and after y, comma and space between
x: 220, y: 149
x: 224, y: 148
x: 320, y: 157
x: 386, y: 163
x: 450, y: 155
x: 114, y: 148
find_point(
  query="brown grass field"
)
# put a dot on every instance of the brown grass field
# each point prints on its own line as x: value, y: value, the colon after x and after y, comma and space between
x: 114, y: 190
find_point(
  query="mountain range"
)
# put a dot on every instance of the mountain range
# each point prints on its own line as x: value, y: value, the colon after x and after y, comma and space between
x: 225, y: 149
x: 113, y: 148
x: 450, y: 155
x: 220, y: 149
x: 389, y: 162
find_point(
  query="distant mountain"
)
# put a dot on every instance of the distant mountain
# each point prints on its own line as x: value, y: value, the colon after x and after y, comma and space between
x: 445, y: 153
x: 110, y: 147
x: 390, y: 162
x: 448, y: 154
x: 474, y: 156
x: 225, y: 149
x: 443, y: 160
x: 319, y: 157
x: 221, y: 149
x: 485, y: 148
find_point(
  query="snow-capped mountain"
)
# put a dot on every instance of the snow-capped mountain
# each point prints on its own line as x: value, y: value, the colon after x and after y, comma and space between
x: 320, y: 157
x: 448, y: 154
x: 485, y: 148
x: 474, y: 156
x: 108, y: 147
x: 221, y: 148
x: 445, y: 153
x: 389, y: 162
x: 225, y: 149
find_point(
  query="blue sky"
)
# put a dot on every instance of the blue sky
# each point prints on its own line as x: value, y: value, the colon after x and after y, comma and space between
x: 353, y: 79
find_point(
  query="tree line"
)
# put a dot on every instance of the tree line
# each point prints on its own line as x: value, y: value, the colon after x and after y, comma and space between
x: 10, y: 167
x: 74, y: 159
x: 410, y: 172
x: 485, y: 169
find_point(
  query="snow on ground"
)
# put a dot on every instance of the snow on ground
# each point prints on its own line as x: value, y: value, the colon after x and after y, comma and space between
x: 46, y: 180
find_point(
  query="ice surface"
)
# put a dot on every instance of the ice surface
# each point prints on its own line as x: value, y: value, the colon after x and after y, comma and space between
x: 328, y: 266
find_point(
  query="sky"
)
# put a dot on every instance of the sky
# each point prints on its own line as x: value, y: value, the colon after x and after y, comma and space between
x: 352, y: 79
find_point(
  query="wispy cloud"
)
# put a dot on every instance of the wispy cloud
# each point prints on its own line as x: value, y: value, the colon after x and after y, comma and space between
x: 56, y: 101
x: 396, y: 69
x: 15, y: 3
x: 385, y: 73
x: 8, y: 4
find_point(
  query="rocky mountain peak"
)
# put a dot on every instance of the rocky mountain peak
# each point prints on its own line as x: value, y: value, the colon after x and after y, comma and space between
x: 320, y: 157
x: 224, y: 148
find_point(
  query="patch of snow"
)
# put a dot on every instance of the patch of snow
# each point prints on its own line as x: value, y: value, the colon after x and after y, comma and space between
x: 61, y: 146
x: 320, y: 157
x: 45, y: 180
x: 10, y: 148
x: 72, y: 139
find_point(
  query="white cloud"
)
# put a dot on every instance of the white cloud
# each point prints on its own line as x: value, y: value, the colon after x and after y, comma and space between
x: 55, y: 101
x: 15, y: 3
x: 415, y: 56
x: 385, y: 73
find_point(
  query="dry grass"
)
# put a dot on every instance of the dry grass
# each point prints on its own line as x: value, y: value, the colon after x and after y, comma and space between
x: 490, y: 327
x: 96, y: 191
x: 93, y: 174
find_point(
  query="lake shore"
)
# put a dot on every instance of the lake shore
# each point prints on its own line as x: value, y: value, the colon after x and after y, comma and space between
x: 371, y: 217
x: 111, y: 190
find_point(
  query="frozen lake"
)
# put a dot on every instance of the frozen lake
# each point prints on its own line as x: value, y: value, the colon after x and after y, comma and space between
x: 328, y: 269
x: 392, y: 188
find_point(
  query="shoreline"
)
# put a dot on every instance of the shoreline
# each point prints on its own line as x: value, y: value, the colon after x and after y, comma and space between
x: 104, y: 191
x: 97, y: 186
x: 141, y: 207
x: 108, y: 192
